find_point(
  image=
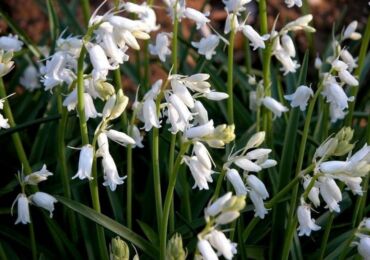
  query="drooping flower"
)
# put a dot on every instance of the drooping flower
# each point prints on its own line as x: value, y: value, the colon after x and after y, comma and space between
x: 234, y: 178
x: 161, y: 46
x: 330, y: 192
x: 30, y: 78
x: 119, y: 137
x: 206, y: 250
x: 274, y: 106
x: 10, y: 43
x: 221, y: 243
x: 200, y: 173
x: 111, y: 176
x: 363, y: 247
x: 306, y: 223
x: 300, y: 97
x: 291, y: 3
x: 23, y: 209
x: 207, y: 45
x: 44, y: 200
x: 85, y: 163
x: 259, y: 207
x: 99, y: 62
x: 350, y: 32
x: 256, y: 41
x: 198, y: 17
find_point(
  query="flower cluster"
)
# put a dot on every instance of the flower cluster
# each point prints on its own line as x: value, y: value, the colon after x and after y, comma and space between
x: 222, y: 211
x: 251, y: 159
x: 39, y: 199
x: 350, y: 172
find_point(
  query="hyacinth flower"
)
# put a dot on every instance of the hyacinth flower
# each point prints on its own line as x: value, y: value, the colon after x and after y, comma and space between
x: 213, y: 242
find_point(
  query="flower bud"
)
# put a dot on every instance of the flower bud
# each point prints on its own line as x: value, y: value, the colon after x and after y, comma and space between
x: 175, y: 250
x: 119, y: 249
x: 256, y: 140
x: 120, y: 105
x: 105, y: 89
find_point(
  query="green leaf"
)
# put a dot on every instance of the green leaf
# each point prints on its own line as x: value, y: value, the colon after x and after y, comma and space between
x: 111, y: 225
x: 149, y: 232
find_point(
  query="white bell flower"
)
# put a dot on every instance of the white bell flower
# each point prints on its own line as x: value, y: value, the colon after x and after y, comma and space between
x: 177, y: 123
x: 150, y: 115
x: 256, y: 41
x: 207, y: 45
x: 161, y: 46
x: 99, y: 62
x: 200, y: 130
x: 221, y: 243
x: 202, y: 154
x: 90, y: 111
x: 55, y: 71
x: 216, y: 96
x: 234, y: 178
x: 231, y: 23
x: 103, y: 145
x: 363, y: 247
x: 105, y: 38
x: 300, y: 97
x: 111, y: 177
x: 119, y: 137
x: 180, y: 106
x: 289, y: 65
x: 348, y: 59
x: 85, y: 163
x: 182, y: 92
x: 23, y: 209
x: 336, y: 113
x: 291, y: 3
x: 301, y: 23
x: 217, y: 206
x: 350, y: 32
x: 335, y: 94
x: 247, y: 165
x: 288, y: 45
x: 10, y: 43
x: 71, y: 45
x: 274, y: 106
x: 314, y: 193
x: 330, y: 192
x: 347, y: 78
x: 4, y: 122
x: 227, y: 217
x: 258, y: 186
x: 144, y: 12
x: 200, y: 113
x: 306, y: 223
x: 200, y: 173
x: 259, y: 207
x: 30, y: 78
x: 235, y: 6
x: 318, y: 62
x: 44, y: 200
x: 206, y: 250
x: 198, y: 17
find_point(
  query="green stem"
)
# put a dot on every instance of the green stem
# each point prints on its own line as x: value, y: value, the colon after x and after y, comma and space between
x: 15, y: 136
x: 86, y: 11
x: 21, y: 156
x: 94, y: 190
x: 361, y: 60
x: 170, y: 171
x: 291, y: 219
x: 230, y: 70
x: 266, y: 114
x: 129, y: 175
x: 168, y: 200
x: 156, y: 176
x: 325, y: 237
x: 62, y: 161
